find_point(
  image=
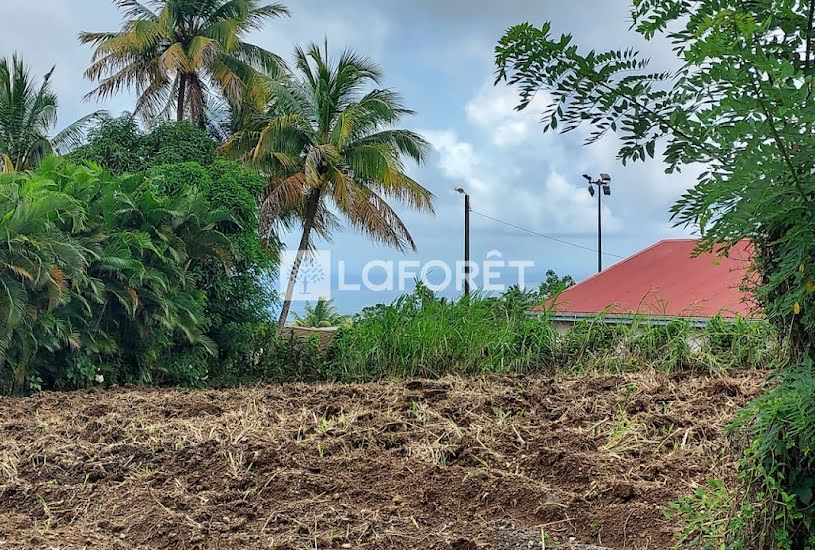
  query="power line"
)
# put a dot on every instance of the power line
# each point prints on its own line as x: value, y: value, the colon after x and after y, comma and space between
x: 544, y: 236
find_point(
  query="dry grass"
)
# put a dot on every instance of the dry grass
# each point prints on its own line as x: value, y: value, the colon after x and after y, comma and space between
x: 452, y: 463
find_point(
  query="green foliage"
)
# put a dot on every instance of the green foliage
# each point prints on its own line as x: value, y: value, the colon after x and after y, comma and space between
x: 121, y: 146
x: 266, y: 356
x: 553, y: 285
x: 322, y: 314
x: 170, y: 143
x: 741, y: 106
x: 676, y: 346
x: 589, y: 341
x: 27, y: 115
x: 422, y: 335
x: 227, y: 291
x: 742, y: 344
x: 517, y: 300
x: 707, y: 518
x: 99, y: 278
x: 178, y: 158
x: 671, y: 344
x: 779, y: 461
x: 117, y: 144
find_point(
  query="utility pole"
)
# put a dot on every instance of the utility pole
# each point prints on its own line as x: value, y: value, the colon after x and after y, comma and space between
x: 466, y: 240
x: 603, y: 184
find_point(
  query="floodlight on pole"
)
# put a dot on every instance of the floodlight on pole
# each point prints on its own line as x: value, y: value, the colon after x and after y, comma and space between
x: 603, y: 184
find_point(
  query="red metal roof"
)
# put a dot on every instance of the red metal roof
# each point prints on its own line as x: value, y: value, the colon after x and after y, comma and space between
x: 665, y: 280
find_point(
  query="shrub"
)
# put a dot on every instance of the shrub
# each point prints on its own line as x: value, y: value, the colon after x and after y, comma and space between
x: 779, y: 461
x: 120, y: 146
x: 179, y: 158
x: 268, y: 357
x: 99, y: 274
x: 668, y: 345
x: 720, y: 346
x: 705, y: 513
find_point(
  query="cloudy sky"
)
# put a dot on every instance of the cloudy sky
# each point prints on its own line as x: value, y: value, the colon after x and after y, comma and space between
x: 439, y: 55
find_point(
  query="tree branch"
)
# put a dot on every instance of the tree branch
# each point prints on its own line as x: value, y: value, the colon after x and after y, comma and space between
x: 777, y: 137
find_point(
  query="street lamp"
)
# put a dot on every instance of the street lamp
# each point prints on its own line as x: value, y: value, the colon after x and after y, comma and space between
x: 466, y: 240
x: 603, y: 183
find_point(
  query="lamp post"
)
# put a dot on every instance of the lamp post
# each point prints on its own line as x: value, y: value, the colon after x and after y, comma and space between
x: 466, y: 240
x: 603, y: 184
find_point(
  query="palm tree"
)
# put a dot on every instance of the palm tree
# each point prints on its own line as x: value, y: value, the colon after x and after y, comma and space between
x: 27, y: 116
x: 38, y: 262
x: 172, y: 55
x: 329, y: 147
x: 321, y: 315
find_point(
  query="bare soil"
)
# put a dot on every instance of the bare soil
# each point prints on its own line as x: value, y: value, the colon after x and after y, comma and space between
x: 456, y: 464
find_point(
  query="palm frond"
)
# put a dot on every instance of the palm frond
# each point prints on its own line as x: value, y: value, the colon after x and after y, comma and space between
x: 259, y: 14
x: 262, y: 60
x: 136, y: 10
x: 371, y: 214
x: 73, y: 135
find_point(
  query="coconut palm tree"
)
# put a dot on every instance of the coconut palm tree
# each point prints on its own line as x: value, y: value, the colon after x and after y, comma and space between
x: 27, y: 115
x: 329, y: 147
x: 174, y: 53
x: 321, y: 315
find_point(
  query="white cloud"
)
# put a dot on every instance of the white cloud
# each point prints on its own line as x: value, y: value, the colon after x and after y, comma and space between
x: 501, y: 189
x: 492, y: 110
x: 526, y: 174
x: 572, y: 208
x: 457, y: 160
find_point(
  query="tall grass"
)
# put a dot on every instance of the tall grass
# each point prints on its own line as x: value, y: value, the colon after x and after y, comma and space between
x: 421, y: 335
x: 720, y: 346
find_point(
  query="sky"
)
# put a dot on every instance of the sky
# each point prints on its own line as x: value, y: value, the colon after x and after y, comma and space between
x: 439, y: 56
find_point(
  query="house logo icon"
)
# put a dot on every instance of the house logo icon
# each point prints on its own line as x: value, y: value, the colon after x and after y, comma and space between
x: 313, y: 278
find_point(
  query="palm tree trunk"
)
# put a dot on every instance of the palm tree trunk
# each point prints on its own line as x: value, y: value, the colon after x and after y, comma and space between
x: 308, y: 225
x: 182, y: 91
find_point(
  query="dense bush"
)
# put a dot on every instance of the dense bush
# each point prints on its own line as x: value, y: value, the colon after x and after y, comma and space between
x: 99, y: 278
x: 121, y: 146
x: 269, y: 357
x: 179, y: 157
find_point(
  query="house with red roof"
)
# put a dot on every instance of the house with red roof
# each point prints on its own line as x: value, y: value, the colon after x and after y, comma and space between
x: 660, y: 283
